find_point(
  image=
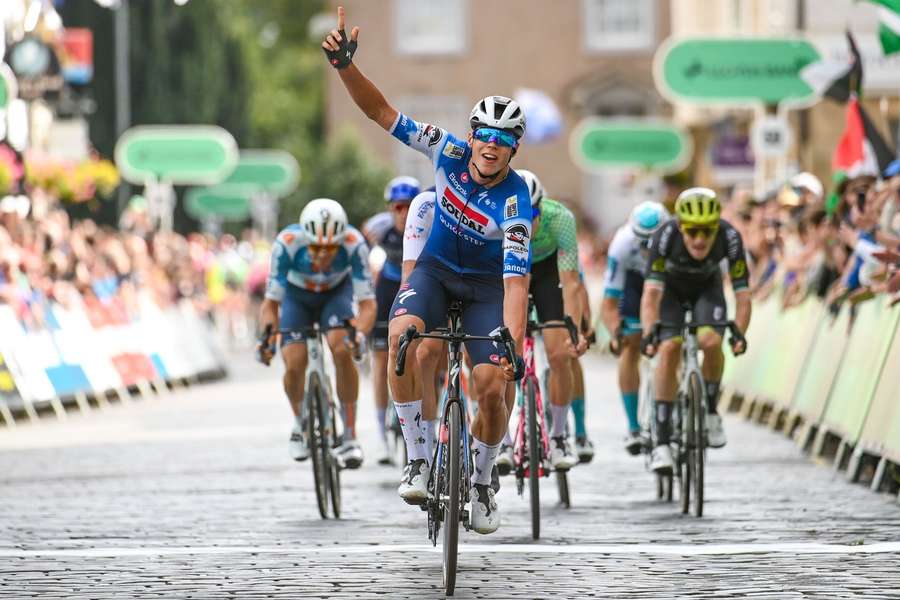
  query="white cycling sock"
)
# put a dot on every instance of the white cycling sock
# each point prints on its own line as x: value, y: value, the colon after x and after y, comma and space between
x: 507, y: 439
x: 411, y: 423
x: 430, y: 428
x: 560, y: 414
x: 298, y: 421
x: 484, y: 457
x: 381, y: 419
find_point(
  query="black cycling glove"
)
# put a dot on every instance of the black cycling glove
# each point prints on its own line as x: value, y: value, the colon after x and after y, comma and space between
x: 648, y: 340
x: 344, y: 55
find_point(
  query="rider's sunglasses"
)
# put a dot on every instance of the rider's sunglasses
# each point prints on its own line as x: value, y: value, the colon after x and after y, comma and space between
x: 399, y: 206
x: 490, y: 135
x: 693, y: 231
x: 322, y: 248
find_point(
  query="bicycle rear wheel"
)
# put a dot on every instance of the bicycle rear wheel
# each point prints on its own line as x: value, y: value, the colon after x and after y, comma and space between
x: 534, y: 459
x: 698, y: 442
x: 451, y: 505
x: 335, y: 470
x: 319, y: 450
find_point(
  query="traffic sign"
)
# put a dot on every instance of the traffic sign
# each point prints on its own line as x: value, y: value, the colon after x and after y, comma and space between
x: 274, y: 172
x: 734, y: 70
x: 771, y: 136
x: 179, y: 154
x: 597, y: 144
x: 228, y: 202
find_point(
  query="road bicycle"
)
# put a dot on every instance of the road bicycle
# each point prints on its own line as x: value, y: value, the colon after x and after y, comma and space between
x: 689, y: 411
x: 531, y: 444
x: 449, y: 486
x: 321, y: 416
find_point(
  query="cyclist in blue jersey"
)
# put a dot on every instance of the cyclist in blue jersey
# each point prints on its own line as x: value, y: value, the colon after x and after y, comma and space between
x: 478, y: 252
x: 385, y: 230
x: 317, y: 268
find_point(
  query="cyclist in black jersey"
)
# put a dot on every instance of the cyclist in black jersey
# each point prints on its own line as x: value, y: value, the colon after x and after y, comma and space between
x: 385, y: 230
x: 685, y: 267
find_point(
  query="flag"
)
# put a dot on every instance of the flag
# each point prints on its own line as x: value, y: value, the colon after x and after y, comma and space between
x: 835, y: 79
x: 861, y: 149
x: 543, y: 119
x: 889, y: 25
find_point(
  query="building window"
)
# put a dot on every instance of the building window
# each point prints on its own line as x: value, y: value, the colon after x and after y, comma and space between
x: 611, y: 25
x: 448, y: 112
x: 430, y: 27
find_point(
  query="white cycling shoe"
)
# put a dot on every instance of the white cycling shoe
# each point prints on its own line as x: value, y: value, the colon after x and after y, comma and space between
x: 505, y: 460
x: 561, y: 456
x: 414, y: 483
x: 485, y: 513
x: 350, y: 454
x: 661, y: 459
x: 715, y: 432
x: 297, y: 447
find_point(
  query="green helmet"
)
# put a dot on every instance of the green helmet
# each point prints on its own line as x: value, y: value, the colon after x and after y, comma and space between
x: 698, y: 206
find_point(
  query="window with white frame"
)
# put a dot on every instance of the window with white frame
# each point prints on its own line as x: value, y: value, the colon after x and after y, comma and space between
x: 430, y: 27
x: 449, y: 112
x: 611, y: 25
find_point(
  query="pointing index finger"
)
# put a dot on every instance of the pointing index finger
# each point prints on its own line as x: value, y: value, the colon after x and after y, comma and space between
x: 340, y: 18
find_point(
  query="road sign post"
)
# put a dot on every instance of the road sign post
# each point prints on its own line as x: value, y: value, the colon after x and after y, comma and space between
x: 159, y: 157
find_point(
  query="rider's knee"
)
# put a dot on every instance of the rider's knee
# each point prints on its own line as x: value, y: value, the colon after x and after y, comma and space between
x: 558, y: 358
x: 340, y: 353
x: 710, y: 341
x: 670, y: 349
x: 428, y: 353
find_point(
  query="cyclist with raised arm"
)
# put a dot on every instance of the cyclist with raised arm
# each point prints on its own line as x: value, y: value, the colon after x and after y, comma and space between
x: 621, y: 306
x: 318, y: 266
x: 478, y: 251
x: 683, y: 267
x: 385, y: 230
x: 555, y: 286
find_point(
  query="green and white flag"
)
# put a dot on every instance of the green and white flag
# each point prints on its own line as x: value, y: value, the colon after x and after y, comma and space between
x: 889, y: 28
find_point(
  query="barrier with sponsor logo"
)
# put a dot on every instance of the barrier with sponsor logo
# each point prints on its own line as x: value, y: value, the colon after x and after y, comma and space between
x: 52, y: 355
x: 837, y: 376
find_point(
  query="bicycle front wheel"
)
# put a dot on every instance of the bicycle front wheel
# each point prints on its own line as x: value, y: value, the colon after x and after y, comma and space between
x: 451, y: 504
x: 335, y: 471
x: 534, y: 459
x: 319, y: 450
x: 698, y: 442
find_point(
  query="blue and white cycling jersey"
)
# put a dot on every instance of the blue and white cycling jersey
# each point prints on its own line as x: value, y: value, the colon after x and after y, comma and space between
x: 292, y: 268
x: 624, y: 255
x: 477, y: 230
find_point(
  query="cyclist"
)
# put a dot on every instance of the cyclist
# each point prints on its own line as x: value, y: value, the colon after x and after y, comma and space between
x: 621, y: 306
x: 555, y: 285
x: 317, y: 268
x: 478, y: 251
x: 684, y: 267
x: 385, y: 229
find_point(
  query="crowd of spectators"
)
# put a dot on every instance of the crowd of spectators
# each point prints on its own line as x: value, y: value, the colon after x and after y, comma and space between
x: 842, y: 247
x: 46, y: 256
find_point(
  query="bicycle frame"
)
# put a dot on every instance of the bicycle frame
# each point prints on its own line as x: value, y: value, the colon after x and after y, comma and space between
x: 315, y: 352
x: 519, y: 458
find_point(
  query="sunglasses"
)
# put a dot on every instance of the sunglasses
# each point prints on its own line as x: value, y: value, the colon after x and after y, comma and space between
x: 489, y: 135
x: 322, y: 248
x: 399, y: 206
x: 705, y: 231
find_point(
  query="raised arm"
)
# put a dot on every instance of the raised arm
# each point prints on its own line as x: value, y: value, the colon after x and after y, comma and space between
x: 339, y: 50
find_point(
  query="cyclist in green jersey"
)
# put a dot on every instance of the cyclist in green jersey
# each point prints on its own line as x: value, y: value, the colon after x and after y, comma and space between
x: 555, y: 285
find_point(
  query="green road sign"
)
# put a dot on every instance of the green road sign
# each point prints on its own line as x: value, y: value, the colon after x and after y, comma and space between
x: 273, y: 171
x: 179, y: 154
x: 739, y: 70
x: 598, y: 144
x: 228, y: 202
x: 7, y: 86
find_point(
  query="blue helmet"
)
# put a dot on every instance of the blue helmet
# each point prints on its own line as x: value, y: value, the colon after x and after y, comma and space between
x: 402, y: 189
x: 646, y: 218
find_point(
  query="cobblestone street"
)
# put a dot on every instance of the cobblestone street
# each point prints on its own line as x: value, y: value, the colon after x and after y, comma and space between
x: 192, y: 495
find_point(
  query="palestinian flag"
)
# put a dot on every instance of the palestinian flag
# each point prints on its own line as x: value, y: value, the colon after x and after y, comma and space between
x: 836, y: 80
x: 861, y: 150
x: 889, y: 28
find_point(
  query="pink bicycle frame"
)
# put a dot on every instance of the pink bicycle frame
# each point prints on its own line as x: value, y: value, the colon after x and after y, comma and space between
x: 519, y: 457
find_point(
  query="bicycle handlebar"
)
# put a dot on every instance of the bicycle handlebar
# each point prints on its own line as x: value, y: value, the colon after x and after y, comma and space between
x: 264, y: 343
x: 503, y: 337
x: 731, y: 326
x: 568, y: 323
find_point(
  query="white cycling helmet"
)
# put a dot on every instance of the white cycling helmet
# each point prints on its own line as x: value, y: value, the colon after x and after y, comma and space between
x: 324, y: 221
x: 499, y: 112
x: 646, y: 218
x: 535, y: 189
